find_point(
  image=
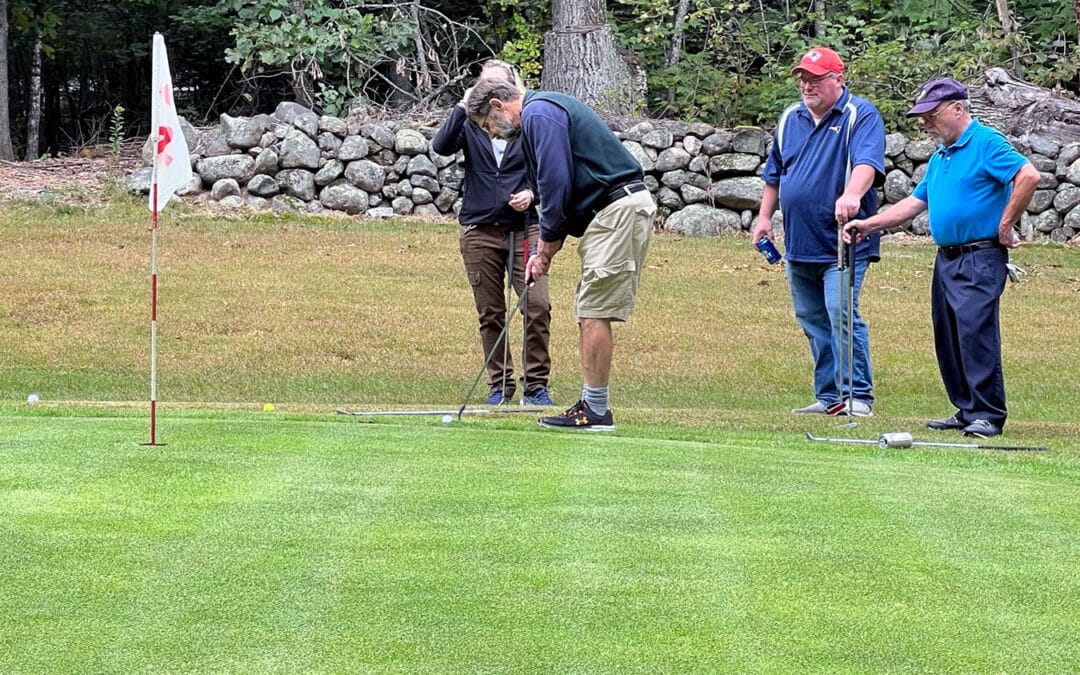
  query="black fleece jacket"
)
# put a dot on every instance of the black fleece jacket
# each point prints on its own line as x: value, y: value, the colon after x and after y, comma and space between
x: 487, y: 186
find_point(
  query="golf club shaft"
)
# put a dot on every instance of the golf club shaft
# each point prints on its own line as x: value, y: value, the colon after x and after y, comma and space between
x: 511, y: 253
x: 491, y: 353
x: 524, y: 317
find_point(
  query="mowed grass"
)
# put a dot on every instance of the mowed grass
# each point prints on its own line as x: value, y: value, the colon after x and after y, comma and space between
x: 707, y: 534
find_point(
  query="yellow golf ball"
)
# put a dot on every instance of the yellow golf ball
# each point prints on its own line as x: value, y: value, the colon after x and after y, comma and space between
x: 268, y: 407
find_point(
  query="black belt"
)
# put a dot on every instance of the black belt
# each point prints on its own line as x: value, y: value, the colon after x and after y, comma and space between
x: 616, y: 193
x: 952, y: 252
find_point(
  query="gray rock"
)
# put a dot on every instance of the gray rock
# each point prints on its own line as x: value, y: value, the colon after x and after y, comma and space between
x: 1047, y: 181
x: 638, y: 131
x: 426, y: 210
x: 238, y: 167
x: 410, y: 142
x: 1067, y: 197
x: 287, y: 111
x: 426, y: 182
x: 671, y: 159
x: 194, y: 138
x: 366, y: 175
x: 692, y: 144
x: 750, y: 140
x: 1072, y: 219
x: 1043, y: 145
x: 920, y: 225
x: 213, y: 144
x: 422, y: 165
x: 329, y: 143
x: 1041, y: 200
x: 287, y: 203
x: 697, y: 220
x: 743, y: 192
x: 700, y: 129
x: 139, y: 180
x: 268, y: 138
x: 241, y: 132
x: 676, y: 179
x: 402, y: 206
x: 315, y: 207
x: 1042, y: 163
x: 1066, y: 156
x: 193, y: 187
x: 1045, y: 222
x: 897, y: 186
x: 375, y: 200
x: 732, y: 163
x: 257, y: 203
x: 308, y: 123
x: 445, y: 200
x: 638, y: 153
x: 344, y: 197
x: 660, y: 139
x: 422, y: 196
x: 266, y: 162
x: 1062, y: 234
x: 452, y: 176
x: 652, y: 183
x: 352, y: 148
x: 1072, y: 174
x: 333, y: 125
x: 380, y: 132
x: 298, y: 183
x: 669, y: 199
x: 329, y: 172
x: 262, y: 185
x: 917, y: 175
x: 920, y: 151
x: 699, y: 164
x: 717, y: 143
x: 692, y: 194
x: 226, y: 187
x: 381, y: 212
x: 298, y: 151
x: 232, y: 202
x: 894, y: 144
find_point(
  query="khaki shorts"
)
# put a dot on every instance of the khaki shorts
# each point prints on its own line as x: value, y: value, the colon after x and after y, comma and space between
x: 612, y: 254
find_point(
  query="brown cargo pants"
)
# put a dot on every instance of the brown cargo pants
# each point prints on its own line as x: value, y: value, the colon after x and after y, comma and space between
x: 485, y: 250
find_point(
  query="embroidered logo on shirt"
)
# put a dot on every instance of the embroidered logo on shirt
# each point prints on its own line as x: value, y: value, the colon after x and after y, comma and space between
x: 835, y: 129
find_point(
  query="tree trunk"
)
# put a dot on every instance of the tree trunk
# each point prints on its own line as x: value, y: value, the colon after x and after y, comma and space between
x: 582, y: 59
x: 1008, y: 28
x: 1023, y: 110
x: 675, y: 54
x: 819, y: 19
x: 303, y: 84
x: 33, y: 113
x: 6, y: 151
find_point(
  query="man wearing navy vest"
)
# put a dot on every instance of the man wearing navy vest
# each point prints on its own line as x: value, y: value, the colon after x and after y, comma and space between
x: 828, y: 154
x: 975, y: 189
x: 589, y: 187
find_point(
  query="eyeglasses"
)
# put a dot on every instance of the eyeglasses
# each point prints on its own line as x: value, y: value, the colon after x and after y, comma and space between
x: 927, y: 118
x: 814, y: 81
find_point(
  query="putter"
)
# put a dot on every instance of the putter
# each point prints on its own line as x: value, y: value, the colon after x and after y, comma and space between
x: 510, y: 253
x: 902, y: 439
x: 491, y: 352
x: 845, y: 263
x: 501, y: 410
x: 524, y: 319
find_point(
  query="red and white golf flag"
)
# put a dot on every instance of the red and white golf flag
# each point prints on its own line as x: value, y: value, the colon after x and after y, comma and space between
x: 172, y: 163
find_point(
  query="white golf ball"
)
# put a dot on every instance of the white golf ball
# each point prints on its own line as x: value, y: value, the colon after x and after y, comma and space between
x: 32, y: 399
x: 447, y: 419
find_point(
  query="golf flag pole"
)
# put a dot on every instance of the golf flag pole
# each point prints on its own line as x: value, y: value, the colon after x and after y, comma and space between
x: 171, y: 171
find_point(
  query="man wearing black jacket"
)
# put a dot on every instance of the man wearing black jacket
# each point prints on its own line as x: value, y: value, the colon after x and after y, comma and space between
x: 496, y: 214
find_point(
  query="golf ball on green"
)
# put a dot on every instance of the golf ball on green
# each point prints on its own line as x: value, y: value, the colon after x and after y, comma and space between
x: 447, y: 419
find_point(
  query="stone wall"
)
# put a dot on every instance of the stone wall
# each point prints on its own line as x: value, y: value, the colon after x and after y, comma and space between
x: 706, y: 180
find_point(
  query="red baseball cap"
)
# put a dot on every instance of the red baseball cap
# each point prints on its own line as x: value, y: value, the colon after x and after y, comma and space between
x: 818, y: 61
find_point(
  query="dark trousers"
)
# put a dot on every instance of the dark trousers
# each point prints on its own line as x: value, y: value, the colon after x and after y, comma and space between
x: 964, y: 304
x: 485, y: 250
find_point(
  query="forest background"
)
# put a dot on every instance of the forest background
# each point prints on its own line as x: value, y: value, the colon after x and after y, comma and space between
x: 77, y: 74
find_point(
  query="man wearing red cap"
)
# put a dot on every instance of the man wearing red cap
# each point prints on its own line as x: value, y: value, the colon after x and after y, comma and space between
x: 975, y: 189
x: 828, y: 154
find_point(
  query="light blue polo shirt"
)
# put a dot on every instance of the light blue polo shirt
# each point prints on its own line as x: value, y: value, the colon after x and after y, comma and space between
x: 967, y: 185
x: 811, y: 171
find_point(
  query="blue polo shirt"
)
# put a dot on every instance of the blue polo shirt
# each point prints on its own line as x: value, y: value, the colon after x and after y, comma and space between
x: 967, y: 185
x: 811, y: 172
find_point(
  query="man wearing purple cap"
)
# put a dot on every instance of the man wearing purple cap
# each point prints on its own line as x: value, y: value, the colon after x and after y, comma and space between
x: 975, y: 188
x: 828, y: 153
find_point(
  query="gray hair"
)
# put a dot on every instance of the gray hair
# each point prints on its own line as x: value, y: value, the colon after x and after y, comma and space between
x: 494, y: 67
x: 487, y: 88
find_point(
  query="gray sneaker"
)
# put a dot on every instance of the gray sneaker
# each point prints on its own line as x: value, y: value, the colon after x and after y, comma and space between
x: 982, y: 429
x: 815, y: 408
x: 858, y: 409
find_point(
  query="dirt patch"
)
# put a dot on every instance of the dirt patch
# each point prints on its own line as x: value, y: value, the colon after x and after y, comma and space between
x: 78, y: 179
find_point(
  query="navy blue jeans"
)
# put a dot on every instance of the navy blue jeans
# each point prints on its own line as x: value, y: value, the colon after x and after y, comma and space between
x: 815, y: 295
x: 964, y: 304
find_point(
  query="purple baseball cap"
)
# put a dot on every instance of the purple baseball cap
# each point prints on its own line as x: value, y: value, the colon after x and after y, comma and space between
x: 936, y: 91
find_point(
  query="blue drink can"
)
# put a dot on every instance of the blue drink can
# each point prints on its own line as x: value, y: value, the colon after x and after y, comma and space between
x: 768, y: 249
